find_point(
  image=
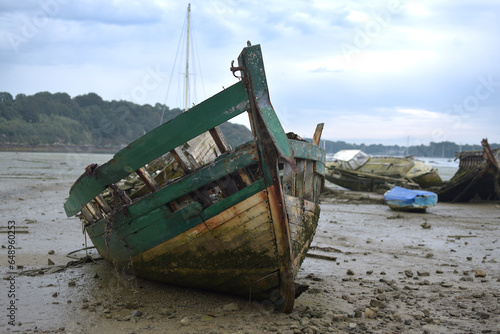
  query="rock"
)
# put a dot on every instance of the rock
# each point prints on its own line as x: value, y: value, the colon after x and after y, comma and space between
x: 377, y: 303
x: 51, y: 252
x: 480, y: 273
x: 136, y: 313
x: 478, y: 294
x: 50, y: 262
x: 423, y: 273
x: 426, y: 225
x: 339, y: 318
x: 350, y: 272
x: 483, y: 315
x: 369, y: 313
x: 408, y: 273
x: 230, y: 307
x: 71, y: 283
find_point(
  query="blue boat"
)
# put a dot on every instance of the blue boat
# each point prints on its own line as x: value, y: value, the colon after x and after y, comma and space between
x: 410, y: 200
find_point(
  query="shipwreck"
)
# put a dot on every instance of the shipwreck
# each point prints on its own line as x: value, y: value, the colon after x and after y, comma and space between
x: 180, y: 206
x: 356, y: 170
x: 477, y: 177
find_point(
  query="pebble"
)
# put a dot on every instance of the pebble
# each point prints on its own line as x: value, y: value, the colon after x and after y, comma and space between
x: 369, y: 313
x: 136, y: 313
x: 483, y: 315
x: 51, y: 252
x: 230, y: 307
x: 350, y: 272
x: 377, y: 303
x: 480, y: 273
x: 478, y: 294
x: 408, y: 273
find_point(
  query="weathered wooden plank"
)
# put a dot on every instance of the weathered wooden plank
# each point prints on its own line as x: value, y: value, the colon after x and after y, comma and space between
x: 318, y: 187
x: 227, y: 104
x: 308, y: 180
x: 181, y: 160
x: 288, y: 182
x: 87, y: 215
x: 243, y: 229
x: 220, y: 140
x: 306, y: 150
x: 199, y: 231
x: 319, y: 168
x: 234, y: 205
x: 245, y: 177
x: 93, y: 211
x: 317, y: 134
x: 102, y: 203
x: 228, y: 163
x: 147, y: 179
x: 293, y: 201
x: 299, y: 178
x: 164, y: 229
x: 285, y: 257
x: 255, y: 76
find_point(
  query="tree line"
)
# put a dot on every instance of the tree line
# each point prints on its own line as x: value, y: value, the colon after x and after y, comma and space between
x: 85, y: 120
x: 444, y: 149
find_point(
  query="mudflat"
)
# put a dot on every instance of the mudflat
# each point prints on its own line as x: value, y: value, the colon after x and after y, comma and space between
x: 370, y: 269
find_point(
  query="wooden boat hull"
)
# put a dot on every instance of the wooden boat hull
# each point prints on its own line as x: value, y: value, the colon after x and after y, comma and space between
x: 477, y: 178
x: 240, y: 223
x: 381, y: 173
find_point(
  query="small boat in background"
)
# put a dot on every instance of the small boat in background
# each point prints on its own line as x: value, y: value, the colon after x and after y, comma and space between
x: 478, y: 177
x: 181, y: 206
x: 402, y: 199
x: 356, y: 170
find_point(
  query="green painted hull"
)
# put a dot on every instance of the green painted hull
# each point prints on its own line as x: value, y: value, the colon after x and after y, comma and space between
x: 180, y: 206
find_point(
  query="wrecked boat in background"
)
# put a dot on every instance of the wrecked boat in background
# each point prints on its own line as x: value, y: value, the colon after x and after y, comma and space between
x: 356, y: 170
x: 180, y: 206
x: 478, y: 177
x: 401, y: 199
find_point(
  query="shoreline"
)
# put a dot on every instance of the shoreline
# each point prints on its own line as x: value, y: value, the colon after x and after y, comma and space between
x: 59, y: 148
x: 376, y: 270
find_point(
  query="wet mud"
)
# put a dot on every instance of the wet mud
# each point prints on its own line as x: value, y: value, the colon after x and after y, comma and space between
x: 371, y: 270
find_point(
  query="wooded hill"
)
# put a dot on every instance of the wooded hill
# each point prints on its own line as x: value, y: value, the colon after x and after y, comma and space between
x: 48, y: 120
x: 436, y: 150
x: 85, y: 120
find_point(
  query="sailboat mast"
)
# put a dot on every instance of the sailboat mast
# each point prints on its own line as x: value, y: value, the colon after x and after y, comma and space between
x: 187, y: 59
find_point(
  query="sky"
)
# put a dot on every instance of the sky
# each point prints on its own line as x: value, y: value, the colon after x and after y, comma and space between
x: 375, y: 72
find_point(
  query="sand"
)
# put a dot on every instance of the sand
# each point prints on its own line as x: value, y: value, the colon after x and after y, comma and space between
x: 370, y: 270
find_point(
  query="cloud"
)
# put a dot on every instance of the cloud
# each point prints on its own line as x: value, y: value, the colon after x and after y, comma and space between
x: 415, y: 63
